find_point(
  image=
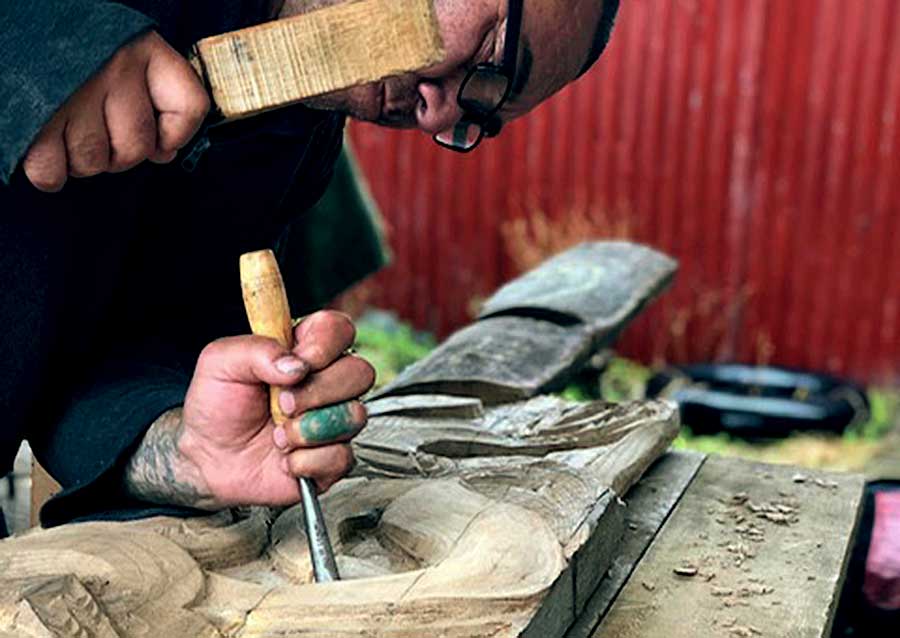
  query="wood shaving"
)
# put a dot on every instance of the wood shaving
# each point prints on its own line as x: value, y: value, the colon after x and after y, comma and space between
x: 740, y: 498
x: 747, y: 631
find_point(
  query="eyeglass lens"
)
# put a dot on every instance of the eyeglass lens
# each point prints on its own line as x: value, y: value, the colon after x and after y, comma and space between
x: 464, y: 135
x: 484, y: 91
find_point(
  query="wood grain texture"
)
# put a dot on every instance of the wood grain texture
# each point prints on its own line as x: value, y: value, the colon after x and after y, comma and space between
x: 268, y: 310
x: 650, y: 503
x: 486, y: 541
x: 761, y: 550
x: 282, y: 62
x: 598, y: 284
x: 539, y: 328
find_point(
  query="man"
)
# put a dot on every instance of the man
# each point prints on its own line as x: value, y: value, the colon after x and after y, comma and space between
x: 116, y: 272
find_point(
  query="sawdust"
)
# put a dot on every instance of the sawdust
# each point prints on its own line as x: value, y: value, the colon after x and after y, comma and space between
x: 740, y: 525
x: 741, y: 631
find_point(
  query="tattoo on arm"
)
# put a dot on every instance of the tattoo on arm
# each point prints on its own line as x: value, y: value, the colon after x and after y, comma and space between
x: 159, y: 473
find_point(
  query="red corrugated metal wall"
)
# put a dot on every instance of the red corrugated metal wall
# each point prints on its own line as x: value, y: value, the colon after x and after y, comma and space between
x: 756, y: 141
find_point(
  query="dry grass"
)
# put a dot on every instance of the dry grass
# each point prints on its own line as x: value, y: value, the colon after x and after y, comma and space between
x: 835, y: 453
x: 537, y: 236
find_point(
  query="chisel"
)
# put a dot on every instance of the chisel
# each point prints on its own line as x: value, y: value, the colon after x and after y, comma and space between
x: 266, y: 303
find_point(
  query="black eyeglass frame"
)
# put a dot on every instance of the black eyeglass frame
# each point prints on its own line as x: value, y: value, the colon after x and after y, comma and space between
x: 486, y: 119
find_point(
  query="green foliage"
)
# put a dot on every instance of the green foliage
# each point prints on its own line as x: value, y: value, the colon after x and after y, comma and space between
x: 884, y: 411
x: 577, y: 392
x: 624, y: 380
x: 389, y: 344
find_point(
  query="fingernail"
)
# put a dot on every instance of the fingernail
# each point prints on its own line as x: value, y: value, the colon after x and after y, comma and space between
x: 358, y: 412
x: 287, y: 402
x: 280, y: 438
x: 290, y: 364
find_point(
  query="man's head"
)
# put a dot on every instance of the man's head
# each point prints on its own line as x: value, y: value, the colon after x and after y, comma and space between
x: 559, y: 40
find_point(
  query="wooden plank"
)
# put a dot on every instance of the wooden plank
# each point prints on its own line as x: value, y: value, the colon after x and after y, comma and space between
x: 539, y: 329
x: 600, y: 284
x: 498, y: 360
x: 345, y: 45
x: 649, y: 503
x: 751, y: 550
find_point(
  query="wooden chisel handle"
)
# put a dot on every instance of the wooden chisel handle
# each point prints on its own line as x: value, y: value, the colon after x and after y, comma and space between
x: 265, y: 300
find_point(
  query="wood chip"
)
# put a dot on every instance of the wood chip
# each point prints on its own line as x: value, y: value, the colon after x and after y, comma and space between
x: 799, y: 478
x: 686, y: 570
x: 648, y: 586
x: 740, y: 498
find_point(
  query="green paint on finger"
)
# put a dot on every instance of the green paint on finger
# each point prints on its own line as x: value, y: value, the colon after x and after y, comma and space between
x: 326, y: 424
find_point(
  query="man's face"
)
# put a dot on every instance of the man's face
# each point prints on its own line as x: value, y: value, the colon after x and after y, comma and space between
x: 554, y: 44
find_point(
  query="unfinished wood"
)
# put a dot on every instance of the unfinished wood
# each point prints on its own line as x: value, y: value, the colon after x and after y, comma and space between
x: 498, y: 360
x: 480, y: 542
x: 284, y: 61
x: 426, y: 405
x: 268, y: 311
x: 539, y: 329
x: 751, y: 550
x: 43, y: 488
x: 599, y: 284
x: 649, y: 504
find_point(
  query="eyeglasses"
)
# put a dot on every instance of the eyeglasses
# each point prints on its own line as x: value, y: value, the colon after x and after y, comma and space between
x: 484, y: 91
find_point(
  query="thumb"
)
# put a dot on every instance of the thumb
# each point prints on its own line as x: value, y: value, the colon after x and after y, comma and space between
x: 177, y: 95
x: 250, y: 360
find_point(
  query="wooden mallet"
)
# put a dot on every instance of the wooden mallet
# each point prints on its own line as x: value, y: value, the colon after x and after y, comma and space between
x: 285, y: 61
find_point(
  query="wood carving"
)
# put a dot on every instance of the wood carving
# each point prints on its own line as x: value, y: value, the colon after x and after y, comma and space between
x: 464, y: 518
x: 480, y: 538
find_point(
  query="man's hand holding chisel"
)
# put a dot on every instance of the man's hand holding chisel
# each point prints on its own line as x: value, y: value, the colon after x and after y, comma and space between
x: 223, y: 448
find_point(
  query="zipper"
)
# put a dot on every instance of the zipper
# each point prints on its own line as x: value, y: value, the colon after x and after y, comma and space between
x: 190, y: 161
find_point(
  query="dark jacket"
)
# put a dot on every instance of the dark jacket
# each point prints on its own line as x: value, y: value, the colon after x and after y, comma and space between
x: 112, y: 287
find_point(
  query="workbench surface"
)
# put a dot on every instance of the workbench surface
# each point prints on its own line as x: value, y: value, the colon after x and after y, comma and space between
x: 719, y: 546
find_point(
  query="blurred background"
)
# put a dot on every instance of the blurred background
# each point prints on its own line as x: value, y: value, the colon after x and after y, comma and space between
x: 757, y: 142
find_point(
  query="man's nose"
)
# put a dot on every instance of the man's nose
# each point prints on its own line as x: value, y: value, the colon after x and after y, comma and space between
x: 438, y: 110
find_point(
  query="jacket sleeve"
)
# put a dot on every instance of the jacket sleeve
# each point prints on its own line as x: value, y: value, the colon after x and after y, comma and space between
x: 104, y: 423
x: 49, y: 49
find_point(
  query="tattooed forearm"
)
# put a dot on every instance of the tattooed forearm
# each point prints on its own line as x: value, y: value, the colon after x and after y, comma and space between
x: 159, y: 473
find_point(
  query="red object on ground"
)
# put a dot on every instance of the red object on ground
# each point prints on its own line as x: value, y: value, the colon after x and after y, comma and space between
x: 882, y: 584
